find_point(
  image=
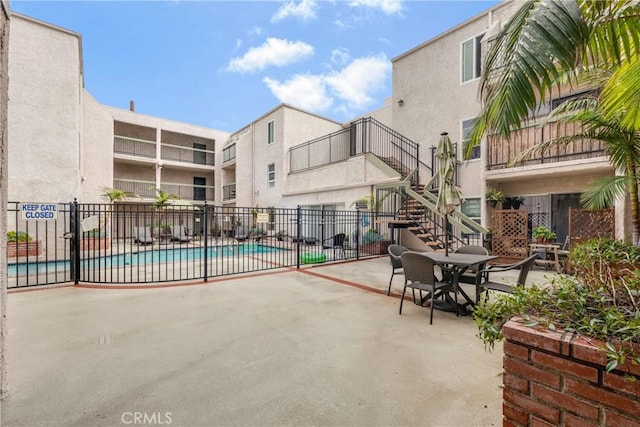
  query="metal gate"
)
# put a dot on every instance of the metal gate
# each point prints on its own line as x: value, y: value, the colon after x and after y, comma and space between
x: 135, y: 243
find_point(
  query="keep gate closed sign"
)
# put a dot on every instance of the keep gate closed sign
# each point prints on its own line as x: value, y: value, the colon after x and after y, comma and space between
x: 40, y: 211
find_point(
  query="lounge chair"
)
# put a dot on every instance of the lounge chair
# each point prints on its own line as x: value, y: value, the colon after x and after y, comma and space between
x: 242, y: 234
x: 179, y: 233
x: 142, y: 235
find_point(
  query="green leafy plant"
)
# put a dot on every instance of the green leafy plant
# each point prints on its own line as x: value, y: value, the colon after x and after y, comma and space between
x: 601, y: 301
x: 494, y: 195
x: 371, y: 236
x: 540, y: 231
x: 94, y: 233
x: 20, y: 236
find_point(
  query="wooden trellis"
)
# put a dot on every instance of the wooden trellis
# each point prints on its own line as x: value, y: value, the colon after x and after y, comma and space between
x: 585, y: 224
x: 510, y: 234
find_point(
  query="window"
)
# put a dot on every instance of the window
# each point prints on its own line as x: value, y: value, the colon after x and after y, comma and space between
x: 271, y: 175
x: 472, y: 209
x: 199, y: 189
x: 271, y: 130
x: 471, y: 59
x: 466, y: 133
x: 199, y: 154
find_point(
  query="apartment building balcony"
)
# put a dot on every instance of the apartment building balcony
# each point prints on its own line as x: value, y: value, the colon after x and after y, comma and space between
x: 146, y: 189
x: 228, y: 192
x: 135, y: 150
x: 501, y: 151
x: 229, y: 156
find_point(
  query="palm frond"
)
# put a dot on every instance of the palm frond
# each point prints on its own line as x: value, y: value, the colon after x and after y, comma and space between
x: 602, y: 192
x: 528, y: 58
x: 621, y: 95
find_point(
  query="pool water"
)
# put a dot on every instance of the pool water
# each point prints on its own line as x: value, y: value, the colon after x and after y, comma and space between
x: 144, y: 257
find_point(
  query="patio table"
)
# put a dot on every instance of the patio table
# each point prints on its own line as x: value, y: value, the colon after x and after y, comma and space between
x: 453, y: 266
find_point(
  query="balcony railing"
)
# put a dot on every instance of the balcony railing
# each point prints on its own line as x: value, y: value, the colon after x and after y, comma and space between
x: 187, y: 155
x: 361, y: 136
x: 501, y: 151
x: 229, y: 153
x: 134, y: 147
x: 146, y: 189
x: 147, y: 149
x: 228, y: 192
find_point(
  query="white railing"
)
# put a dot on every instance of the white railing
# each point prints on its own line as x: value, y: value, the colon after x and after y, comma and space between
x: 229, y: 153
x: 229, y: 192
x: 146, y: 189
x: 134, y: 147
x: 187, y: 154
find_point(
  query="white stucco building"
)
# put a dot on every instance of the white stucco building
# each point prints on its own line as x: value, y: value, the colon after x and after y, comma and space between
x: 63, y: 144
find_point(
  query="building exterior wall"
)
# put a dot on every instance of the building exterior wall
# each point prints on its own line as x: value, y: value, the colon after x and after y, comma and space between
x: 4, y: 143
x: 96, y: 150
x: 44, y: 112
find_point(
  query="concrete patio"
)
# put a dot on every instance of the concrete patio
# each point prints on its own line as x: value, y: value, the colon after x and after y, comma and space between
x: 308, y: 347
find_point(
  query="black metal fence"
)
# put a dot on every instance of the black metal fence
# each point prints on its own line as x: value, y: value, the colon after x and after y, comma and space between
x: 138, y: 243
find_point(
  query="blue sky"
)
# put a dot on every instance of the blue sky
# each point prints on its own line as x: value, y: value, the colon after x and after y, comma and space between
x: 222, y: 64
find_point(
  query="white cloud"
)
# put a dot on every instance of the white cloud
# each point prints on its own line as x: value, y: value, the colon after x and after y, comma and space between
x: 274, y: 52
x: 354, y: 86
x: 304, y: 10
x: 304, y: 91
x: 340, y: 56
x: 389, y: 7
x: 356, y: 82
x: 255, y: 32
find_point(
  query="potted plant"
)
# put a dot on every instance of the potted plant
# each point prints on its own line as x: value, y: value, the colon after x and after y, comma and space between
x: 494, y: 196
x: 550, y: 237
x: 540, y: 233
x: 581, y: 328
x: 20, y: 244
x: 514, y: 202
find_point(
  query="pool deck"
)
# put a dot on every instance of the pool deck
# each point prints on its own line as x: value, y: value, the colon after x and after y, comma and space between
x: 323, y: 345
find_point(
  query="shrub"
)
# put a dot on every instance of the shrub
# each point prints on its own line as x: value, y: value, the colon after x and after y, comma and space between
x: 601, y: 301
x: 19, y: 236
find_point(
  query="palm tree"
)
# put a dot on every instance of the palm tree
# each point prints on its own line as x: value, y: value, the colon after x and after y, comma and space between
x: 116, y: 195
x: 548, y: 44
x: 162, y: 198
x: 621, y: 144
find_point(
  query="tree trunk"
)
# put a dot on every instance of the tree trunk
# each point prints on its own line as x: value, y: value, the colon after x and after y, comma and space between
x: 633, y: 200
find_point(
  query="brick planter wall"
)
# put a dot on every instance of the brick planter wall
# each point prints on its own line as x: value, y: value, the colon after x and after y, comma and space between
x: 21, y: 249
x: 559, y: 379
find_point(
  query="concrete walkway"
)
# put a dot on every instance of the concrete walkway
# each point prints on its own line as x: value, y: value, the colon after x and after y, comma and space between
x: 286, y: 348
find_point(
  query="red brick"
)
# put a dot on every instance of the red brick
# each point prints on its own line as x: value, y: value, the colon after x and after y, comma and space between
x: 517, y: 383
x: 589, y: 351
x: 603, y: 397
x: 535, y: 408
x: 565, y: 366
x: 516, y: 415
x: 513, y: 349
x: 537, y: 422
x: 622, y: 383
x: 533, y: 373
x: 507, y: 423
x: 540, y: 338
x: 562, y: 401
x: 571, y: 420
x: 616, y: 420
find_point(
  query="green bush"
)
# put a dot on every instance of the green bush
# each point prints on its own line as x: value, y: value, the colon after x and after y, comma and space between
x: 601, y: 301
x: 19, y: 236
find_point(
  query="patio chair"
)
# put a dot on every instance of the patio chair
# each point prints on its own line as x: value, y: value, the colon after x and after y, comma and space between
x: 419, y: 274
x: 242, y: 233
x: 395, y: 252
x: 142, y: 235
x: 469, y: 276
x: 487, y: 285
x: 179, y: 233
x: 336, y: 243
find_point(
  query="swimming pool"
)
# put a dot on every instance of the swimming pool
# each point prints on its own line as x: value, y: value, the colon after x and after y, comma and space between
x: 154, y: 256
